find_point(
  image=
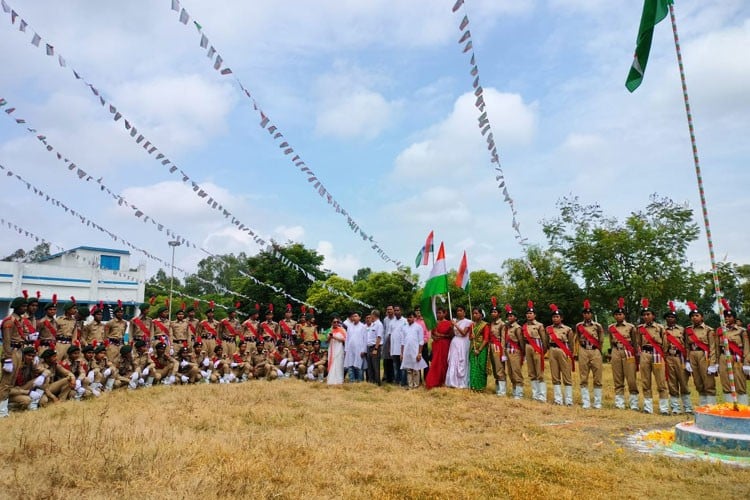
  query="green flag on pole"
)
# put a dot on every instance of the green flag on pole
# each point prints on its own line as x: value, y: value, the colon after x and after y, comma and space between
x: 654, y: 11
x: 437, y: 284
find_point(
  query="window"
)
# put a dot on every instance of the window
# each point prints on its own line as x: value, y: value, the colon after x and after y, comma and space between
x: 110, y: 262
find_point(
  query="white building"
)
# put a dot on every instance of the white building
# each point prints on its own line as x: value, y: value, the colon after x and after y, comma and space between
x: 87, y: 273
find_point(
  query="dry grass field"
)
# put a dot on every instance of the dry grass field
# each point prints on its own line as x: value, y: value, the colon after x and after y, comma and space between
x: 290, y: 439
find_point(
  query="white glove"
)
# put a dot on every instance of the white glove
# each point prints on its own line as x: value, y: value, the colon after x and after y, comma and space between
x: 205, y: 374
x: 8, y: 366
x: 171, y: 351
x: 184, y: 363
x: 36, y: 360
x: 150, y: 350
x: 107, y: 372
x: 746, y: 369
x: 217, y: 363
x: 145, y: 372
x: 206, y: 362
x: 90, y: 376
x: 172, y: 379
x: 713, y: 369
x: 80, y: 391
x: 688, y: 367
x: 39, y: 381
x: 504, y: 358
x: 134, y: 377
x: 32, y: 336
x: 141, y: 381
x: 184, y: 379
x: 78, y: 384
x: 36, y: 394
x: 234, y: 365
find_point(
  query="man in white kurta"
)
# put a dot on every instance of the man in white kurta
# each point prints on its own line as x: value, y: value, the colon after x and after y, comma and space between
x: 356, y: 348
x: 394, y: 326
x: 412, y: 340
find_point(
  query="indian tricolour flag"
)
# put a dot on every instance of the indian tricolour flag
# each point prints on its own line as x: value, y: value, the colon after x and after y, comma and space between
x: 423, y: 257
x: 437, y: 284
x: 462, y: 276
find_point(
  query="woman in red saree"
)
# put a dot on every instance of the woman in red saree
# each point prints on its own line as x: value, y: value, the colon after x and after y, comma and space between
x: 441, y: 342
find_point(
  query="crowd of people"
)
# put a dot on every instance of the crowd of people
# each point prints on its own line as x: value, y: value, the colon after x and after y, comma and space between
x: 55, y: 358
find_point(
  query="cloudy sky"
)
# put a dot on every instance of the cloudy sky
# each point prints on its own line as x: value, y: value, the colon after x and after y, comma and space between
x: 377, y: 99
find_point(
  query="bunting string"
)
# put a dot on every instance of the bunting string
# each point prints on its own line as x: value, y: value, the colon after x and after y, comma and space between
x: 38, y: 239
x: 484, y: 124
x: 274, y: 131
x: 86, y: 177
x: 265, y: 243
x: 118, y: 239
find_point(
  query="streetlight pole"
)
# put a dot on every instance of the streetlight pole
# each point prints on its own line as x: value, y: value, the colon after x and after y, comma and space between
x: 174, y: 244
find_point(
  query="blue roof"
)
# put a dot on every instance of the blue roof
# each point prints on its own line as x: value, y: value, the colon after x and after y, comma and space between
x: 91, y: 249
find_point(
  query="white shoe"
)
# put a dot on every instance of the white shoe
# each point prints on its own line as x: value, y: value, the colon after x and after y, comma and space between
x: 648, y: 405
x: 619, y: 401
x: 634, y: 402
x: 542, y: 392
x: 558, y: 395
x: 4, y: 408
x: 568, y: 395
x: 598, y: 398
x: 687, y: 405
x: 585, y: 401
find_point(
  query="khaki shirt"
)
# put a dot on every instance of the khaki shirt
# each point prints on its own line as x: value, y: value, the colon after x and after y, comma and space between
x: 12, y: 331
x: 208, y: 329
x: 67, y: 328
x: 136, y: 333
x: 115, y: 329
x: 536, y: 330
x: 625, y: 329
x: 230, y: 328
x: 706, y: 335
x: 291, y: 324
x: 738, y: 335
x: 179, y: 330
x: 563, y: 333
x: 93, y: 331
x: 657, y: 334
x: 592, y: 328
x: 48, y: 329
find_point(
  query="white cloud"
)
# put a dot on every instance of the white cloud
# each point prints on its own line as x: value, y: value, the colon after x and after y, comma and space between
x: 290, y: 233
x: 177, y: 111
x: 358, y: 113
x: 455, y: 146
x: 344, y: 265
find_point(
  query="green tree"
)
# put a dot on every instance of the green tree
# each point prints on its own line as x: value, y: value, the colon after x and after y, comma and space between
x: 730, y: 278
x: 158, y: 284
x: 36, y: 254
x: 215, y: 274
x: 644, y: 256
x: 483, y: 286
x: 362, y: 274
x: 382, y: 289
x: 328, y: 302
x: 541, y: 277
x: 271, y: 270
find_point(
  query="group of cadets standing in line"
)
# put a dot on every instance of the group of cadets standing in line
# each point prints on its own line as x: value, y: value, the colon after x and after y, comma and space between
x: 57, y: 358
x: 664, y: 355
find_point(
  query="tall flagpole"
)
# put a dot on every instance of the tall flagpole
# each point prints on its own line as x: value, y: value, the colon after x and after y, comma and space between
x: 701, y: 191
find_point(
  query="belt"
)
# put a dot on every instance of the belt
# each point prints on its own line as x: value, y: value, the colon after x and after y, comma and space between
x: 213, y: 337
x: 592, y: 348
x: 647, y: 348
x: 16, y: 345
x: 115, y: 341
x: 65, y: 340
x: 694, y: 349
x: 46, y: 343
x: 227, y: 339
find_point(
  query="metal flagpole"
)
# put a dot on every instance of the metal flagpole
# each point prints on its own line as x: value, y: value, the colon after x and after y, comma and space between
x: 704, y: 208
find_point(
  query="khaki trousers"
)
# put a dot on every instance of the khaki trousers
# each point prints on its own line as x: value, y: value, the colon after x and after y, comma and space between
x: 559, y: 365
x: 514, y: 368
x: 623, y: 370
x: 590, y: 361
x: 740, y: 382
x: 648, y: 367
x: 534, y: 364
x: 496, y: 364
x: 677, y: 381
x: 705, y: 384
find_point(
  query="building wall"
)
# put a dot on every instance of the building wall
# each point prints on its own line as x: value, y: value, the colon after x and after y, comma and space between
x: 67, y: 276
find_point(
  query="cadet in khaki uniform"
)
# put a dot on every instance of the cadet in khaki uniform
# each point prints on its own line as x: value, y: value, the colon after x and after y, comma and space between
x: 143, y: 363
x: 126, y: 371
x: 27, y: 382
x: 703, y: 357
x: 269, y: 328
x: 160, y: 327
x: 202, y: 360
x: 76, y: 365
x: 652, y: 342
x: 308, y: 331
x: 623, y: 340
x: 287, y: 326
x: 496, y: 351
x: 141, y: 327
x: 179, y: 331
x: 241, y: 363
x: 93, y: 333
x: 536, y: 344
x: 677, y: 353
x: 560, y: 357
x: 58, y: 381
x: 513, y: 343
x: 220, y: 367
x: 48, y: 328
x: 188, y: 371
x: 230, y: 331
x: 165, y: 366
x: 740, y: 352
x: 31, y: 334
x: 68, y: 332
x: 114, y: 332
x: 13, y: 339
x: 193, y: 321
x: 104, y: 370
x: 208, y: 329
x: 589, y: 337
x: 251, y: 325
